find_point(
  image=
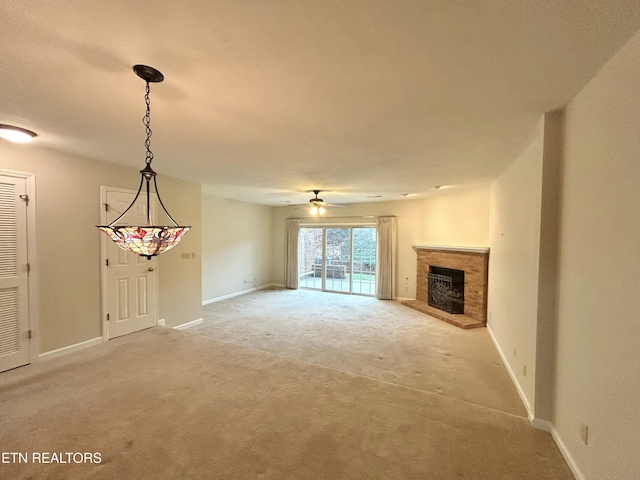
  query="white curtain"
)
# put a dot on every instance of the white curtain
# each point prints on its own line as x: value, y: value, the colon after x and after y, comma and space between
x: 291, y: 253
x: 386, y: 258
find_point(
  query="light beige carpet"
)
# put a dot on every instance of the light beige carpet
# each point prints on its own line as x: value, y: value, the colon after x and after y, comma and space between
x: 279, y: 385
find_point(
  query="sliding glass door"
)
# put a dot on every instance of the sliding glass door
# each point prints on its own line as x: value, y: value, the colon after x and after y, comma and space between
x: 363, y: 266
x: 337, y: 259
x: 310, y: 255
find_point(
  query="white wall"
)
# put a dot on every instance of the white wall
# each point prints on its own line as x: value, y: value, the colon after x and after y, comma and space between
x: 236, y: 246
x: 598, y: 338
x: 68, y: 243
x: 419, y: 221
x: 514, y: 232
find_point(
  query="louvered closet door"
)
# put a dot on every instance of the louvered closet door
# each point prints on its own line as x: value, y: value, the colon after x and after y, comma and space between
x: 14, y: 316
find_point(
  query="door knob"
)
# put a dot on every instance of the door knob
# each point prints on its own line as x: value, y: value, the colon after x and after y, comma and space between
x: 150, y: 269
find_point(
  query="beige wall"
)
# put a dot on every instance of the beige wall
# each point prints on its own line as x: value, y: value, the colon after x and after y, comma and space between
x: 419, y: 221
x: 68, y: 244
x: 546, y: 327
x: 564, y: 263
x: 456, y: 218
x: 236, y: 246
x: 598, y: 360
x: 514, y: 233
x: 180, y: 280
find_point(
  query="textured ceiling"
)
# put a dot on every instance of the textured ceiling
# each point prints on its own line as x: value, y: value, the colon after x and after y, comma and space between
x: 265, y: 100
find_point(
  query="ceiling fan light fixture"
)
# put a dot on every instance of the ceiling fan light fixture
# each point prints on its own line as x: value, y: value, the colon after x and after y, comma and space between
x: 16, y: 134
x: 317, y: 205
x: 146, y: 240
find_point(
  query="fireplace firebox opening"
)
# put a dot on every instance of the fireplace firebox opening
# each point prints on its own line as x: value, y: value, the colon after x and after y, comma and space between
x: 446, y: 289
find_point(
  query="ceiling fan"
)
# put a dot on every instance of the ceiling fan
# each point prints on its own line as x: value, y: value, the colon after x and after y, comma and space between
x: 317, y: 205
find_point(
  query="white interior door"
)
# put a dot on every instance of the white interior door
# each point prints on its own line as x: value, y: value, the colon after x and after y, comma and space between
x: 130, y: 296
x: 14, y: 275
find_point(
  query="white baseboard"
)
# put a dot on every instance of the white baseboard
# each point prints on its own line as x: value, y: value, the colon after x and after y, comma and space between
x: 543, y: 425
x: 241, y: 292
x: 538, y: 423
x: 189, y: 324
x: 70, y: 348
x: 230, y: 295
x: 403, y: 299
x: 161, y: 322
x: 573, y: 466
x: 514, y: 379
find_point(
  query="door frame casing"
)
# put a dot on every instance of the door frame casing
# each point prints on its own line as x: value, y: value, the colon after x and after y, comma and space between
x: 32, y: 277
x: 103, y: 260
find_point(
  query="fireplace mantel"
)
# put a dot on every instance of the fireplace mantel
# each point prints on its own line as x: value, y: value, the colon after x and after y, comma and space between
x: 450, y: 248
x: 474, y: 261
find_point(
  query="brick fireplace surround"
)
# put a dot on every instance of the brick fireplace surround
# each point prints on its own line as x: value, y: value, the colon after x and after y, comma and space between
x: 474, y: 261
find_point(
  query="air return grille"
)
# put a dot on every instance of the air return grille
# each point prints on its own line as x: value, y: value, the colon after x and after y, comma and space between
x: 8, y: 326
x: 8, y: 234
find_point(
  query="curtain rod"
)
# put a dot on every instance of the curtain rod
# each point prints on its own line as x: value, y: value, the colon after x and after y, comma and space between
x: 366, y: 217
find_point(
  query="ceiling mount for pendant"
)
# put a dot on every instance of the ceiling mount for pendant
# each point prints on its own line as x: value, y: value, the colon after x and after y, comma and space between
x: 146, y: 240
x: 148, y: 74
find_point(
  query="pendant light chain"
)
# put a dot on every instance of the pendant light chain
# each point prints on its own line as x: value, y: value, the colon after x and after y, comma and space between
x: 147, y: 123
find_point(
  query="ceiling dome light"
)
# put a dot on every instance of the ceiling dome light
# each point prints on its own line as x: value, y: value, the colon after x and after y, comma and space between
x: 314, y: 210
x: 16, y: 134
x: 321, y: 210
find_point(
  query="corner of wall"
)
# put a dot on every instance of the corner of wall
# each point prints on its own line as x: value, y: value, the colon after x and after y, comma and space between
x: 514, y: 233
x: 547, y: 266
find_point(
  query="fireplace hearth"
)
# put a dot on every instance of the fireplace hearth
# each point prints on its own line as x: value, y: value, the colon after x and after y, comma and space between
x: 446, y: 289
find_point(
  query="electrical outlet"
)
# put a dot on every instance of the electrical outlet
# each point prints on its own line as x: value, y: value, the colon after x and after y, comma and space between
x: 185, y: 256
x: 193, y: 254
x: 584, y: 433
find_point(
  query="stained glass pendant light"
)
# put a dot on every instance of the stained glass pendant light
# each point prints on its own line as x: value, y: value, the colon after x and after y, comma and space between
x: 146, y: 240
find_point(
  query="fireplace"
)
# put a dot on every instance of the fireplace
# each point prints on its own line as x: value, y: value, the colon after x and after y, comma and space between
x: 441, y: 289
x: 446, y: 289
